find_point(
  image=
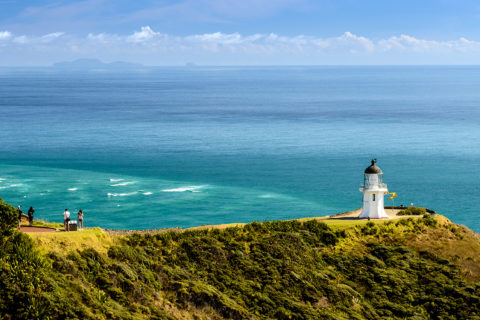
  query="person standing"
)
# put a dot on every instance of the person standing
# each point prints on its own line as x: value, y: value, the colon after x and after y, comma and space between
x: 66, y: 219
x: 80, y: 219
x: 30, y: 216
x: 20, y: 213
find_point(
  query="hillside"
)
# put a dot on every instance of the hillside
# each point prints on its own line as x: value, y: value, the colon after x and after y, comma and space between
x: 416, y: 268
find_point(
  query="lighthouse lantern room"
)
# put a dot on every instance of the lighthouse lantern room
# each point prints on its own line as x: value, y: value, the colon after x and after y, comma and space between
x: 373, y: 190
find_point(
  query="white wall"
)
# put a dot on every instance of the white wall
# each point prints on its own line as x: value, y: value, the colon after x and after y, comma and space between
x: 373, y: 209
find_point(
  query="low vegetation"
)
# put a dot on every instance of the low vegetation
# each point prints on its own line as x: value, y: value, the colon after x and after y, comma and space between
x: 43, y: 224
x: 71, y: 241
x: 397, y: 269
x: 412, y: 211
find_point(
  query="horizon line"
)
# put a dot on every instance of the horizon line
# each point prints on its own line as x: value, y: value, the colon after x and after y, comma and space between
x: 188, y: 65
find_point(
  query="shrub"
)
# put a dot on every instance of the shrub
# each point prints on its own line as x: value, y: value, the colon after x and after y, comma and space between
x: 23, y: 280
x: 429, y: 221
x: 8, y: 219
x: 329, y: 238
x: 314, y: 226
x: 413, y: 211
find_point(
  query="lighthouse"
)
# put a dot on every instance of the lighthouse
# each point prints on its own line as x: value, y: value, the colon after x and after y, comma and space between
x: 373, y: 190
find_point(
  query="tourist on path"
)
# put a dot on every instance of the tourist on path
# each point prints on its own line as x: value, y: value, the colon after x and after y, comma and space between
x: 66, y: 219
x: 19, y: 209
x: 80, y: 220
x: 30, y: 216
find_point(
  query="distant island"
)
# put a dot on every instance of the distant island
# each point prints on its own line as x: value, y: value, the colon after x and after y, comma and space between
x: 95, y: 64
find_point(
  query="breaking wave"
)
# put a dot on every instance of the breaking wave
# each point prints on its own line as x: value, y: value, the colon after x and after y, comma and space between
x: 121, y: 194
x: 184, y: 189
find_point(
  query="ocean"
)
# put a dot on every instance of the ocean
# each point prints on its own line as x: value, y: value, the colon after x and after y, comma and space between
x: 182, y: 147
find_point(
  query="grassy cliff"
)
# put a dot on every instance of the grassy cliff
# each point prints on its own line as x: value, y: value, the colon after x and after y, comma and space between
x: 415, y: 268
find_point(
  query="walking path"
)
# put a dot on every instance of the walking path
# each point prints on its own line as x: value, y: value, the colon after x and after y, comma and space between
x: 36, y: 229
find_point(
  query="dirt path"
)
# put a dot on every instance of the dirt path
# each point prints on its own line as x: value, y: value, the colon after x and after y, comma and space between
x: 36, y: 229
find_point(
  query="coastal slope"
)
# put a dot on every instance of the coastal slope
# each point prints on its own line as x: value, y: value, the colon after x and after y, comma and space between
x: 418, y: 268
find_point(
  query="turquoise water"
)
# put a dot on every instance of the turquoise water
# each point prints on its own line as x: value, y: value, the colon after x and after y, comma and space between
x: 184, y: 147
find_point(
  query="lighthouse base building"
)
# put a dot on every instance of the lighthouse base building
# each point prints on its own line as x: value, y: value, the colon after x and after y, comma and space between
x: 373, y: 190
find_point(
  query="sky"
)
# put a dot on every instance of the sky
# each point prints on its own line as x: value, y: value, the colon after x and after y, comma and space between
x: 240, y: 32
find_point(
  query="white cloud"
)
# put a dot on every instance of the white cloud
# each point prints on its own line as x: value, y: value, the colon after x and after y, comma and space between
x: 20, y: 39
x: 97, y: 37
x: 345, y: 43
x: 104, y: 38
x: 405, y: 43
x: 217, y: 37
x: 33, y: 40
x: 5, y: 35
x: 153, y: 47
x: 51, y: 36
x: 145, y: 34
x: 362, y: 43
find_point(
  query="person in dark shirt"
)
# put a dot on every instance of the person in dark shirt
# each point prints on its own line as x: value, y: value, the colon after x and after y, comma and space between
x: 30, y: 215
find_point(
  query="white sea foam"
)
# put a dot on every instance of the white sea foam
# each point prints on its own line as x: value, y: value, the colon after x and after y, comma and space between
x: 126, y: 183
x: 184, y: 189
x: 268, y: 196
x: 14, y: 185
x: 72, y: 189
x: 115, y: 180
x: 147, y: 193
x: 121, y: 194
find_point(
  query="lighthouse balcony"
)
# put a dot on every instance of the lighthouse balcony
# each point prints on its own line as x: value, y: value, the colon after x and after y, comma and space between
x: 371, y: 186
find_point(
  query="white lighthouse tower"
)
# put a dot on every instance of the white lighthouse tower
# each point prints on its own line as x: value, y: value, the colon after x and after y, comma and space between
x: 373, y: 190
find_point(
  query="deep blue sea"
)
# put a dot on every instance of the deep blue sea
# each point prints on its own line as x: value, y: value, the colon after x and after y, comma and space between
x: 183, y: 147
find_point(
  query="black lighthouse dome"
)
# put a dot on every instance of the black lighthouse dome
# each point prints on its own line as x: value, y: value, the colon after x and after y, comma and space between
x: 373, y: 169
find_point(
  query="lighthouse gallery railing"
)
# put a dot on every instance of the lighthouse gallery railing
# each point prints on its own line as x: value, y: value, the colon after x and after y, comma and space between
x: 368, y: 185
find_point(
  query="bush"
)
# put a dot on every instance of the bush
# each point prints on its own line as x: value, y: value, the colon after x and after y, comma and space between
x: 8, y: 219
x: 314, y: 226
x: 329, y: 238
x: 23, y: 280
x: 413, y: 211
x: 429, y: 221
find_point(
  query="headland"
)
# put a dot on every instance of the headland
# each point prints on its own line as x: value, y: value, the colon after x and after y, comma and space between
x: 336, y: 267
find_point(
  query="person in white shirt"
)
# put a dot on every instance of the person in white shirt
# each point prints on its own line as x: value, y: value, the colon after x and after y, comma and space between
x: 66, y: 219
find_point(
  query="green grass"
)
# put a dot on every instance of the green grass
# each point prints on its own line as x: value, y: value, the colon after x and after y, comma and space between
x: 333, y: 222
x: 55, y: 225
x: 61, y: 241
x: 341, y: 224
